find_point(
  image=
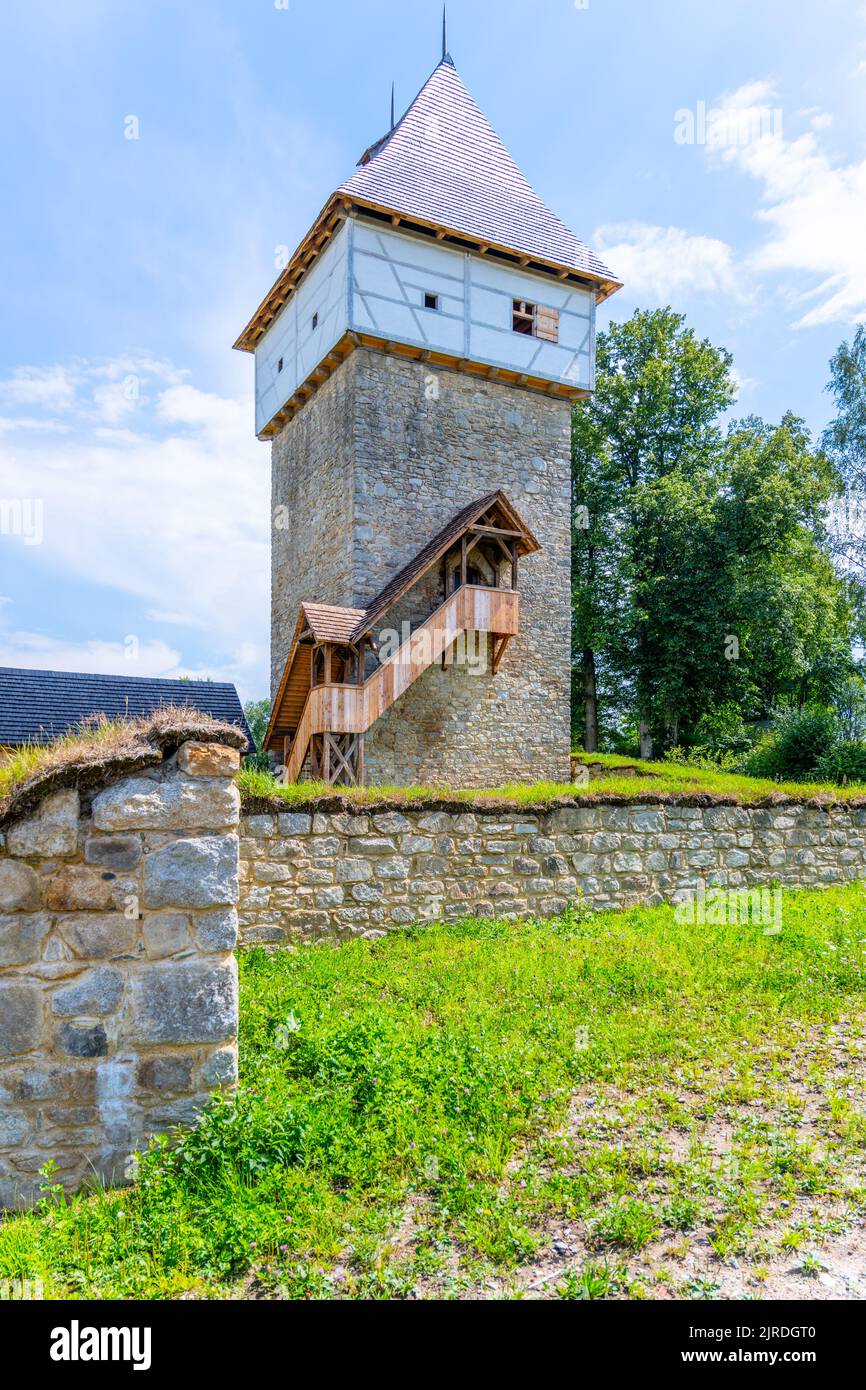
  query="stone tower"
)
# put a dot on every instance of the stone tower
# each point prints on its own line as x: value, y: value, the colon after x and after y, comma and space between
x: 416, y: 364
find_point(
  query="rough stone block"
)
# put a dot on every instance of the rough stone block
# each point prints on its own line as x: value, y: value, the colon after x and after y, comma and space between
x: 99, y: 935
x: 21, y: 937
x: 330, y: 897
x: 208, y: 760
x: 79, y: 888
x: 291, y: 824
x: 259, y: 827
x: 393, y: 868
x: 97, y: 993
x: 165, y: 1073
x: 188, y: 1002
x: 51, y: 833
x: 82, y: 1040
x: 173, y: 804
x: 221, y: 1068
x: 193, y: 873
x: 392, y: 823
x: 354, y: 870
x: 19, y: 887
x: 166, y: 934
x: 119, y: 853
x: 217, y: 931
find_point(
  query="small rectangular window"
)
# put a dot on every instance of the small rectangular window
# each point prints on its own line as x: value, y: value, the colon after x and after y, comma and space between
x: 315, y: 322
x: 536, y: 321
x: 524, y: 318
x: 431, y: 301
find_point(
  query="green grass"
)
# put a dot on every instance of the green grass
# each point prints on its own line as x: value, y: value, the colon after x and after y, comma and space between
x: 415, y: 1112
x: 98, y: 741
x: 656, y: 779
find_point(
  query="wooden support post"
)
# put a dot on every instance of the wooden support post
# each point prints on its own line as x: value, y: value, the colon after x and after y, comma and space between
x: 326, y: 759
x: 362, y: 659
x: 359, y: 762
x: 514, y: 566
x: 500, y: 647
x: 463, y: 558
x: 328, y: 650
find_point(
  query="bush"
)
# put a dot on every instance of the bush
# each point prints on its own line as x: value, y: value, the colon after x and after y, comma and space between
x: 794, y: 746
x: 844, y: 763
x: 702, y: 758
x: 724, y: 732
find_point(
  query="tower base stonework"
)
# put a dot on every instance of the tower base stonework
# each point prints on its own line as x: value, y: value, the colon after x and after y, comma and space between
x: 362, y: 478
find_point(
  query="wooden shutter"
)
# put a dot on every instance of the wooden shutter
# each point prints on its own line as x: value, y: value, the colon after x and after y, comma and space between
x: 547, y: 324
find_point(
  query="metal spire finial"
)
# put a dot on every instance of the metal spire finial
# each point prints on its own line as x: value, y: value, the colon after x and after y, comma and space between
x: 444, y: 33
x: 393, y: 116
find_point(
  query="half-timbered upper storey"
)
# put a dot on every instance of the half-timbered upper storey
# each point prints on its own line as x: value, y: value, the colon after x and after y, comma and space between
x: 438, y: 248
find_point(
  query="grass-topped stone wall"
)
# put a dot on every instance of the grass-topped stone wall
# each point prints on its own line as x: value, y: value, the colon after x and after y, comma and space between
x: 317, y: 866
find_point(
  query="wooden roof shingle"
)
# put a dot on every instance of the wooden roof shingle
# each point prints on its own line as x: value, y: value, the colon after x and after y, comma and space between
x: 444, y: 163
x: 330, y: 624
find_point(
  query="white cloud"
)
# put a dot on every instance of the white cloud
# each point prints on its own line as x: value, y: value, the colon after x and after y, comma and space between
x: 813, y: 209
x: 104, y: 658
x: 51, y: 388
x: 172, y: 511
x: 744, y: 385
x: 664, y: 263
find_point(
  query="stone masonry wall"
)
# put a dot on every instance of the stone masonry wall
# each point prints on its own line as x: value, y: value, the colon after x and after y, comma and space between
x: 311, y: 501
x: 118, y: 983
x: 380, y: 459
x: 341, y: 875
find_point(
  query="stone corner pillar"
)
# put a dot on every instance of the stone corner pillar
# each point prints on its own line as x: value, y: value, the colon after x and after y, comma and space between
x: 118, y: 983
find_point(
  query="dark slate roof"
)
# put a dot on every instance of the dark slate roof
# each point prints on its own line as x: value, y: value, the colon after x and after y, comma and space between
x: 38, y: 706
x: 444, y: 163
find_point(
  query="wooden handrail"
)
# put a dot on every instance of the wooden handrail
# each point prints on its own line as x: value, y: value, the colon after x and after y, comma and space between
x: 353, y: 709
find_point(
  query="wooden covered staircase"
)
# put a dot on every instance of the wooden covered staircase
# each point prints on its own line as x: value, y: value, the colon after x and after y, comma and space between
x: 332, y: 711
x: 327, y: 702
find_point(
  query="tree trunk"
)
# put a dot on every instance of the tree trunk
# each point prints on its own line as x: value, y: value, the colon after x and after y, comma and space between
x: 646, y: 742
x: 590, y: 693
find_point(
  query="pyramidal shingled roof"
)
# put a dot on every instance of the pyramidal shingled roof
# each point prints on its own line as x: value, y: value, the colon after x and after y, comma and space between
x: 444, y: 163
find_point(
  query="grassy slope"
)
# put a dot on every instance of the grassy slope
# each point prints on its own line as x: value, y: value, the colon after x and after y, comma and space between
x: 665, y: 779
x: 415, y: 1112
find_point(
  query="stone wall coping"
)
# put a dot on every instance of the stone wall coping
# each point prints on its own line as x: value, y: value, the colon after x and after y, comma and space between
x: 478, y: 805
x: 148, y: 746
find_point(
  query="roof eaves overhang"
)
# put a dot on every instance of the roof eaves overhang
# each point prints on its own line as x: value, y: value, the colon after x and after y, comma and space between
x: 338, y: 208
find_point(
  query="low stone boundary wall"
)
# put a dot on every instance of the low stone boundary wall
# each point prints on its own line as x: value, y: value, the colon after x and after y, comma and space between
x: 328, y: 874
x: 118, y: 983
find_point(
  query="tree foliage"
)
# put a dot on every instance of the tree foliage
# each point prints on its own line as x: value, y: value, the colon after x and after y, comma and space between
x: 703, y: 571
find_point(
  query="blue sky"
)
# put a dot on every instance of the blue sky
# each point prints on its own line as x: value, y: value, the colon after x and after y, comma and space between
x: 128, y: 266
